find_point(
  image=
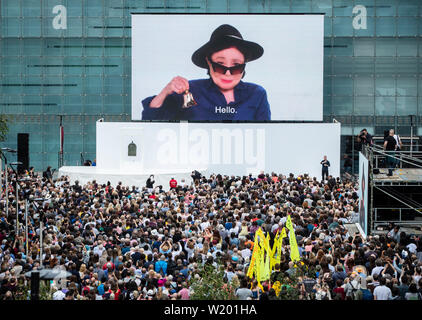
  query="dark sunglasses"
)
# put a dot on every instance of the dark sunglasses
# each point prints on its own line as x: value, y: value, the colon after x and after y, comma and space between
x: 219, y: 68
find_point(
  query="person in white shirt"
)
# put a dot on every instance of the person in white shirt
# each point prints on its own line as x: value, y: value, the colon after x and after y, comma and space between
x: 276, y: 224
x: 382, y: 292
x: 235, y: 230
x: 399, y: 145
x: 183, y: 184
x: 412, y: 248
x: 246, y: 253
x: 99, y: 250
x: 398, y: 140
x: 190, y: 247
x: 176, y: 250
x: 59, y: 294
x: 378, y: 269
x: 205, y: 224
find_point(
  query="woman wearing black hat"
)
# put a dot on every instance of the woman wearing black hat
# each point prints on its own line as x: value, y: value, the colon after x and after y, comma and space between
x: 221, y: 97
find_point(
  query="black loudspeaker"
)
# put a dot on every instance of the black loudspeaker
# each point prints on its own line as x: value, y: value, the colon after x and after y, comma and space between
x: 23, y: 151
x: 35, y: 285
x: 376, y: 171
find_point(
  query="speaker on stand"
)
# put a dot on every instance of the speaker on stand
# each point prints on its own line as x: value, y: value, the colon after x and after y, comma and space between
x: 23, y: 151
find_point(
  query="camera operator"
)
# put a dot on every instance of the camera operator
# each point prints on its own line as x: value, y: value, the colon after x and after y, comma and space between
x: 365, y: 138
x: 196, y: 175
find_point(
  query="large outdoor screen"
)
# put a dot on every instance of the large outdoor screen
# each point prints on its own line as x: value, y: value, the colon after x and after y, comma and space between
x: 227, y: 67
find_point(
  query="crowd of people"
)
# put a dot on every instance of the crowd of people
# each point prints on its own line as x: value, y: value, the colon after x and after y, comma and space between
x: 152, y: 242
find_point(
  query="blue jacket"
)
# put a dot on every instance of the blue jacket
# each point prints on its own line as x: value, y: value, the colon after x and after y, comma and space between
x: 250, y: 104
x: 161, y: 265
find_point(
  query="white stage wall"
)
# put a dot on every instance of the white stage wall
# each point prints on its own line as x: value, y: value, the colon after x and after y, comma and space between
x: 226, y: 148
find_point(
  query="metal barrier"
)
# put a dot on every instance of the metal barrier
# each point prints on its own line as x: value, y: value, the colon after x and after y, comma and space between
x: 405, y: 159
x: 400, y: 220
x: 60, y: 159
x: 82, y: 159
x: 375, y: 153
x: 376, y: 212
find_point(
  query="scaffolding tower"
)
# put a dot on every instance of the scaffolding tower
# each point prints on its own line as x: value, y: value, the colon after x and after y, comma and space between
x: 398, y: 198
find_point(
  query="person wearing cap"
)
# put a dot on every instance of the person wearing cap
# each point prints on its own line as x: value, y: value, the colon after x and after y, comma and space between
x: 150, y: 294
x: 224, y: 96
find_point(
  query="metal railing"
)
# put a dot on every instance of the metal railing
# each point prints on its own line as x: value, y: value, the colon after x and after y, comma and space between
x: 404, y: 158
x: 400, y: 220
x: 60, y: 159
x: 82, y: 159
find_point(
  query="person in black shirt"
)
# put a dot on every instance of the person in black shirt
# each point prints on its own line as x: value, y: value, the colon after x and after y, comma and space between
x: 365, y: 138
x: 325, y: 164
x: 390, y: 145
x: 332, y: 182
x: 150, y: 182
x: 307, y: 286
x: 196, y: 175
x: 264, y: 295
x: 48, y: 175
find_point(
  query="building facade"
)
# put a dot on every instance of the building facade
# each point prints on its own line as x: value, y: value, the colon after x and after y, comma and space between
x: 73, y: 58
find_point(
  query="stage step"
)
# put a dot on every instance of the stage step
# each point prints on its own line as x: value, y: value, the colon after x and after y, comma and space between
x: 351, y: 228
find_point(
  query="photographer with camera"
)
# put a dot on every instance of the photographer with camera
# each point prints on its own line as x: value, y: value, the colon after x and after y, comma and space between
x: 365, y: 138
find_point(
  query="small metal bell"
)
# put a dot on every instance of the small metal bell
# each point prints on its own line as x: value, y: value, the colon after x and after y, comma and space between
x: 188, y: 100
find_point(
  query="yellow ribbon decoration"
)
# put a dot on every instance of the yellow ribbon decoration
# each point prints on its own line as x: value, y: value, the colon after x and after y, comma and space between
x: 294, y: 250
x: 277, y: 288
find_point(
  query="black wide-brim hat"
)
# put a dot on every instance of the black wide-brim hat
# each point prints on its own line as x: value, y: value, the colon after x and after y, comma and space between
x: 226, y: 36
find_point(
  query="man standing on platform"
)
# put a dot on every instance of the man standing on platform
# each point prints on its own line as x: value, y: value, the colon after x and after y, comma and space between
x: 325, y: 164
x: 390, y: 145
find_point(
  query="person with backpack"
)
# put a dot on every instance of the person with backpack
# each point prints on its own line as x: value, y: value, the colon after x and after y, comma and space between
x: 352, y: 287
x: 366, y: 293
x: 322, y: 291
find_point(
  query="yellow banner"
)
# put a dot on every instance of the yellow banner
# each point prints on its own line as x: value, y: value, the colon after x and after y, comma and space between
x: 283, y: 234
x: 254, y: 257
x: 273, y: 259
x: 294, y: 250
x: 289, y: 224
x: 264, y: 257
